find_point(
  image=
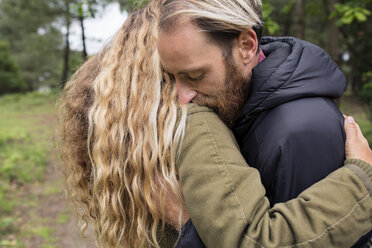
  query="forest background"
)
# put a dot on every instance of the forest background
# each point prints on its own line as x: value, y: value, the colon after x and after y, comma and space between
x: 36, y: 60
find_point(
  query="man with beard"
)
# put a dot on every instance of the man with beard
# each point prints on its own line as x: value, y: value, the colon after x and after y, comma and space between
x: 275, y: 93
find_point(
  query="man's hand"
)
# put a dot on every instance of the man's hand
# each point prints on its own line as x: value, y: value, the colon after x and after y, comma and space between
x: 356, y: 144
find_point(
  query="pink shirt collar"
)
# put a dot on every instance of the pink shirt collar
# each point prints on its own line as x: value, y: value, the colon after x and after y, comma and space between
x: 261, y: 56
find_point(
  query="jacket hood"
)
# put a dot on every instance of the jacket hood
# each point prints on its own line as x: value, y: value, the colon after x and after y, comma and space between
x: 292, y: 69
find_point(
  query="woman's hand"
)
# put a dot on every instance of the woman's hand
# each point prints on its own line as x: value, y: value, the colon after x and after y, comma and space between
x: 174, y: 214
x: 356, y: 144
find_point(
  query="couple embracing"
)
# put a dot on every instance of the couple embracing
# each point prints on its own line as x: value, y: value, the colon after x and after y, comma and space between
x: 255, y: 160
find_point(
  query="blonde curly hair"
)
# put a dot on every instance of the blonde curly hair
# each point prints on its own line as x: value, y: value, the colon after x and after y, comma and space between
x: 120, y: 135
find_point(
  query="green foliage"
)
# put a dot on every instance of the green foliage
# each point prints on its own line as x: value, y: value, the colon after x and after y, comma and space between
x: 31, y: 29
x: 366, y: 93
x: 351, y: 11
x: 357, y: 40
x: 10, y: 80
x: 270, y: 25
x: 6, y: 224
x: 83, y: 8
x: 137, y: 4
x: 130, y: 5
x: 315, y: 8
x: 287, y: 8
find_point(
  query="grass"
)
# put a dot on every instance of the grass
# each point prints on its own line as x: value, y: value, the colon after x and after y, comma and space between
x: 45, y: 232
x: 63, y: 218
x: 53, y: 189
x: 24, y: 147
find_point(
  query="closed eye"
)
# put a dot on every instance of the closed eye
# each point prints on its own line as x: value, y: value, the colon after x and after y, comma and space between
x: 194, y: 79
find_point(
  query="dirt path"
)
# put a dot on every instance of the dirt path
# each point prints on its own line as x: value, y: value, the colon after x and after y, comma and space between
x: 45, y: 215
x: 49, y: 222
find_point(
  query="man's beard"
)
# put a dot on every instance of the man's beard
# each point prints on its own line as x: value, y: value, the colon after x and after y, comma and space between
x: 228, y: 101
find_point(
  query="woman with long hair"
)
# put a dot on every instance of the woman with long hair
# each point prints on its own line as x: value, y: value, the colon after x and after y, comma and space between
x: 121, y: 135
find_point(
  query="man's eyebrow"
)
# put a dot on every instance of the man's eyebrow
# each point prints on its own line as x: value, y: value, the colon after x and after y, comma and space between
x: 193, y: 70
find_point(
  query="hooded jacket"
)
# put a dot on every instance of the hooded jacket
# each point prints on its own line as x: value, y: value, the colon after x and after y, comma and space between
x: 289, y: 129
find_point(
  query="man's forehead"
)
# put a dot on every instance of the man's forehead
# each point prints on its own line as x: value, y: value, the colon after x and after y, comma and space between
x: 180, y: 29
x: 175, y: 24
x: 187, y: 50
x: 185, y: 43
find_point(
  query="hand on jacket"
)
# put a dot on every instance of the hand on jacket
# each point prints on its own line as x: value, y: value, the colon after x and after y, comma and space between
x: 172, y: 211
x: 356, y: 144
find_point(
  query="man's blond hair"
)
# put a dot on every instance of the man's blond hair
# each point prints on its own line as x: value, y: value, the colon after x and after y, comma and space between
x: 222, y: 20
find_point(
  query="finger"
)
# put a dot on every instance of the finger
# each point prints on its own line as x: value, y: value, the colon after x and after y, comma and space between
x: 351, y: 128
x: 360, y: 133
x: 361, y: 136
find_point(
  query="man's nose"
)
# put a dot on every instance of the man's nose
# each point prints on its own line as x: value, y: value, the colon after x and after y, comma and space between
x: 185, y: 93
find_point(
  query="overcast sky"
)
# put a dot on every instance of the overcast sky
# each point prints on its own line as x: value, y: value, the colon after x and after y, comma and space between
x: 99, y: 30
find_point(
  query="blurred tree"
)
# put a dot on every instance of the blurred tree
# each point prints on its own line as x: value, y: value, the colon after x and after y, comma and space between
x: 354, y: 21
x: 81, y: 15
x: 10, y: 80
x: 287, y: 13
x: 79, y: 10
x: 34, y: 39
x: 82, y: 9
x: 42, y: 51
x: 271, y: 26
x: 334, y: 48
x: 130, y: 5
x: 299, y: 18
x: 67, y: 16
x: 37, y: 42
x: 342, y: 27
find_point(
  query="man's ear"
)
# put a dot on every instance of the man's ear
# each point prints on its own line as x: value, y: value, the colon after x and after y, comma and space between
x: 247, y: 45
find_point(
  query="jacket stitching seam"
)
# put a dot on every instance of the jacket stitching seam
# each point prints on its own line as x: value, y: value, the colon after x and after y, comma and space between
x: 225, y: 172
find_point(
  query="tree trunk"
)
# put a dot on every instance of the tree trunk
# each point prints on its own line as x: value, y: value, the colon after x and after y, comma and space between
x: 84, y: 52
x: 333, y: 35
x: 66, y: 57
x: 299, y: 19
x: 287, y: 26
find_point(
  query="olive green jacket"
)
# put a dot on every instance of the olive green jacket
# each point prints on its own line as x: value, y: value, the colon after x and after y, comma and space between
x: 227, y: 202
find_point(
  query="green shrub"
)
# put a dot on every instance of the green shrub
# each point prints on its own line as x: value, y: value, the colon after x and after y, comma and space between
x: 366, y: 93
x: 10, y: 80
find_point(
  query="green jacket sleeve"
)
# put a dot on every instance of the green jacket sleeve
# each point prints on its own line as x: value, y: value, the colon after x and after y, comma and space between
x: 227, y: 202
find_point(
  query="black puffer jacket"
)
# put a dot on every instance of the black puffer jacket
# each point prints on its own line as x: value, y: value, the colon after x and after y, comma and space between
x: 290, y: 129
